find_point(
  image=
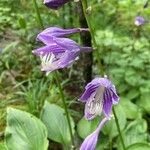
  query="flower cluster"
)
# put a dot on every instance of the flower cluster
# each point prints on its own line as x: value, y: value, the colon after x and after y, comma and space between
x: 58, y: 52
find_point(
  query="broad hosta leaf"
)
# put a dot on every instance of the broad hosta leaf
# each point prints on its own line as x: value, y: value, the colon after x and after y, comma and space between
x: 139, y: 146
x: 134, y: 133
x: 55, y: 120
x: 110, y: 128
x: 24, y: 131
x: 86, y: 127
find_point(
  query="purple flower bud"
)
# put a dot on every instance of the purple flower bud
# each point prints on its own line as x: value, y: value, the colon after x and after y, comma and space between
x: 55, y: 4
x: 90, y: 142
x: 99, y: 96
x: 139, y: 21
x: 45, y: 36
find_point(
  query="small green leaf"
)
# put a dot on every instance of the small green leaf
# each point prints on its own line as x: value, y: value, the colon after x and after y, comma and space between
x: 134, y: 133
x: 139, y: 146
x: 86, y: 127
x: 132, y: 111
x: 144, y: 102
x: 24, y: 131
x: 22, y: 22
x: 55, y: 120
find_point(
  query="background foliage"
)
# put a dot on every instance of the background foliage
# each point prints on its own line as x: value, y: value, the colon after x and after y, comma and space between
x: 124, y: 50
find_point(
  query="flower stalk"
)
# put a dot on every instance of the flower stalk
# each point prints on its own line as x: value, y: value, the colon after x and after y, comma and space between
x: 65, y: 107
x: 38, y: 14
x: 118, y: 128
x: 85, y: 6
x: 57, y: 80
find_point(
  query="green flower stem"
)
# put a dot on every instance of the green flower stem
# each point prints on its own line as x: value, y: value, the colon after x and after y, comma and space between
x: 57, y: 79
x: 65, y: 106
x: 38, y: 14
x: 118, y: 128
x: 84, y: 4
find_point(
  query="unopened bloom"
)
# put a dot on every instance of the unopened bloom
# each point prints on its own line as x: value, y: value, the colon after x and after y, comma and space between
x: 90, y: 141
x: 45, y: 36
x: 139, y: 21
x: 99, y: 96
x: 59, y: 53
x: 55, y: 4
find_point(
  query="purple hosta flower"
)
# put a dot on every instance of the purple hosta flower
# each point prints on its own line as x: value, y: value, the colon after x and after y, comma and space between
x: 139, y: 21
x: 99, y: 96
x: 55, y: 4
x: 45, y: 36
x: 59, y: 53
x: 90, y: 142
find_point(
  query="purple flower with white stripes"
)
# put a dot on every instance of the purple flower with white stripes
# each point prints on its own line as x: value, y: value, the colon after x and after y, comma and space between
x: 59, y: 52
x: 91, y: 140
x: 99, y: 96
x: 55, y: 4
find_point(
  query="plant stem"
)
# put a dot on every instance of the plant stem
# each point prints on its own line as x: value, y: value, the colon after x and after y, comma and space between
x: 86, y: 40
x: 118, y: 128
x: 65, y: 107
x: 38, y: 14
x: 84, y: 5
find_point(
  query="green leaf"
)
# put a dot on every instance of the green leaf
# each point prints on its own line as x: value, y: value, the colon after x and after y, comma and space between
x: 134, y: 133
x: 144, y: 102
x: 22, y: 22
x: 3, y: 146
x: 139, y: 146
x: 24, y: 131
x: 132, y: 111
x: 110, y: 128
x: 85, y: 127
x: 132, y: 94
x: 55, y: 120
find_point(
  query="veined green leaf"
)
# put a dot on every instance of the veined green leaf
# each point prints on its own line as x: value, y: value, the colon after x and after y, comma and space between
x: 24, y: 131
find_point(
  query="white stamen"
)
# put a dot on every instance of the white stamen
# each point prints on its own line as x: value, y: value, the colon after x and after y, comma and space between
x: 47, y: 62
x: 95, y: 105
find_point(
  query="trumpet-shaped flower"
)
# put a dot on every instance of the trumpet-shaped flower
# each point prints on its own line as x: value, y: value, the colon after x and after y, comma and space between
x: 60, y: 53
x: 46, y: 35
x: 55, y: 4
x: 90, y: 141
x: 99, y: 96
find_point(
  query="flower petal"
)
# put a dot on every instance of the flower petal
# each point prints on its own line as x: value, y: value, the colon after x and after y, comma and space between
x: 55, y: 4
x: 54, y: 48
x: 90, y: 142
x: 107, y: 107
